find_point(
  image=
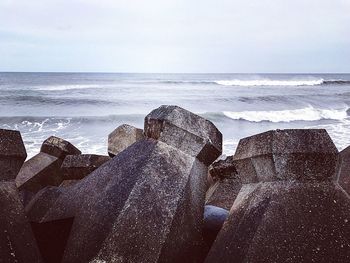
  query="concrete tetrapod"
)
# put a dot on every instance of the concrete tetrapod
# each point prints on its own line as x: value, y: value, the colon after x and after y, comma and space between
x: 122, y: 137
x: 12, y: 154
x: 146, y: 204
x: 17, y: 242
x: 290, y: 209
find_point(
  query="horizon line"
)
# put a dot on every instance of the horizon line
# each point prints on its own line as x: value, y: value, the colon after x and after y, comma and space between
x: 189, y: 73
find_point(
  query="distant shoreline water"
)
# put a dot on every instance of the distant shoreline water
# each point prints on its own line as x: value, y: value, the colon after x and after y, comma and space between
x: 84, y: 107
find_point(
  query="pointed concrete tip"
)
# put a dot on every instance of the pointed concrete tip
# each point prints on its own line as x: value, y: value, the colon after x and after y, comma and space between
x: 186, y: 131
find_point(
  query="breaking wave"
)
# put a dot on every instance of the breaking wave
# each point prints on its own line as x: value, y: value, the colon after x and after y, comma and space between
x: 306, y: 114
x: 255, y: 82
x: 269, y: 82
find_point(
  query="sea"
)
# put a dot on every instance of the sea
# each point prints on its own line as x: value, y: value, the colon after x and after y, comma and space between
x: 84, y: 108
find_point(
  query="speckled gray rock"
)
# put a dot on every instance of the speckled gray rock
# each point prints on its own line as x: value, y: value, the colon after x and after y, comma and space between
x: 17, y: 242
x: 298, y: 215
x: 224, y: 192
x: 44, y: 168
x: 76, y: 167
x: 186, y: 131
x: 144, y: 205
x: 43, y: 200
x: 122, y: 137
x: 344, y: 170
x: 223, y: 168
x: 38, y: 172
x: 12, y: 154
x: 286, y: 221
x: 66, y: 183
x: 226, y: 184
x: 58, y: 147
x: 286, y: 154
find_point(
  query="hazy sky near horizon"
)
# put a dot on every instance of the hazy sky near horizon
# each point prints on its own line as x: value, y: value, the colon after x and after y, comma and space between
x: 175, y: 36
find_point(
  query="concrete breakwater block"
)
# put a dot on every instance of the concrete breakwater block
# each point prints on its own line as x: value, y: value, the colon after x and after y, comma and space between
x: 122, y: 137
x: 44, y: 168
x: 146, y: 204
x: 42, y: 201
x: 185, y: 131
x: 17, y: 242
x: 303, y: 154
x: 75, y: 167
x: 290, y: 209
x: 225, y: 184
x: 12, y: 154
x: 344, y: 170
x: 39, y: 171
x: 58, y: 147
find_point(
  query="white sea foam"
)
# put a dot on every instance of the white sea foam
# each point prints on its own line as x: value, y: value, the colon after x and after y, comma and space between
x: 306, y: 114
x: 66, y: 87
x: 270, y: 82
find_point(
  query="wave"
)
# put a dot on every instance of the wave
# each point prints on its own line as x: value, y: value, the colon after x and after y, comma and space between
x: 253, y: 82
x: 66, y: 87
x: 44, y: 100
x: 306, y: 114
x: 270, y: 82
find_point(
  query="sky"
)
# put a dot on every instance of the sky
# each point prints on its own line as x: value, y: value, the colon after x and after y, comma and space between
x: 185, y: 36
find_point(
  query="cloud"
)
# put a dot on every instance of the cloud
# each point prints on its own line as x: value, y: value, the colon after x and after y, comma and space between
x: 175, y: 36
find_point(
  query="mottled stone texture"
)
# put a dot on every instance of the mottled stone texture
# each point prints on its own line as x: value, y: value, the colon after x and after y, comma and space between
x: 40, y: 204
x: 148, y: 200
x: 12, y: 154
x: 344, y: 170
x: 58, y: 147
x: 224, y: 168
x: 225, y: 184
x: 186, y: 131
x: 144, y: 205
x: 286, y: 221
x: 299, y: 215
x: 17, y: 243
x: 122, y: 137
x: 76, y: 167
x: 286, y: 154
x: 224, y: 192
x: 38, y: 172
x: 44, y: 168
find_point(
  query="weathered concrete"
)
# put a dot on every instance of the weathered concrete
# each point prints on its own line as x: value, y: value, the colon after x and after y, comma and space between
x: 66, y: 183
x: 42, y: 202
x: 224, y: 192
x: 223, y: 168
x: 38, y: 172
x: 76, y: 167
x: 344, y: 170
x: 226, y: 184
x: 286, y: 154
x: 58, y: 147
x: 286, y: 221
x: 144, y: 205
x: 17, y: 243
x: 296, y: 213
x: 122, y: 137
x: 214, y: 218
x: 186, y: 131
x: 12, y: 154
x: 148, y: 199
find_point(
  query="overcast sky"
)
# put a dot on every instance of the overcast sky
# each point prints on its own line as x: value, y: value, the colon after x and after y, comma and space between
x: 175, y: 36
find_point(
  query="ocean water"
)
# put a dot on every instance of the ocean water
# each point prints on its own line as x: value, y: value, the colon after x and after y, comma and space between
x: 85, y: 107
